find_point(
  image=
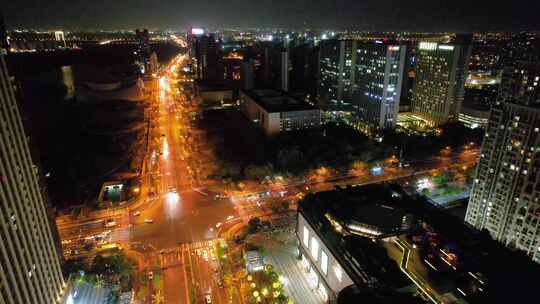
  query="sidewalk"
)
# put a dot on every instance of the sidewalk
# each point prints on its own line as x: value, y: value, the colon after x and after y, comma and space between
x: 283, y: 258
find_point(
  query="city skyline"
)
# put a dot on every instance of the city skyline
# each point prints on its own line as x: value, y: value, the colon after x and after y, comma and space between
x: 461, y: 16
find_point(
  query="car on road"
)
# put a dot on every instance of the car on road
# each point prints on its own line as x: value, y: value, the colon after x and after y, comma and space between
x: 136, y: 213
x: 220, y: 196
x: 220, y: 283
x: 150, y: 275
x: 218, y: 224
x: 205, y: 255
x: 110, y: 223
x: 208, y: 299
x: 230, y: 217
x: 198, y: 252
x: 148, y: 221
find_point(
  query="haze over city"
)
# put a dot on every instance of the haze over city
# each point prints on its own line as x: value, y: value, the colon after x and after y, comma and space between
x: 432, y: 16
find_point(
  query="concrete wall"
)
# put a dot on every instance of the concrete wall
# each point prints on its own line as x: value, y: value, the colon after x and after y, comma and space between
x: 268, y: 121
x: 271, y: 123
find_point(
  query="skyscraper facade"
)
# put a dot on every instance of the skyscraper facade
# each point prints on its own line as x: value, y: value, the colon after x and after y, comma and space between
x: 505, y: 198
x: 305, y: 69
x: 378, y: 70
x: 207, y: 58
x: 29, y: 264
x: 336, y: 69
x: 441, y: 70
x: 4, y: 43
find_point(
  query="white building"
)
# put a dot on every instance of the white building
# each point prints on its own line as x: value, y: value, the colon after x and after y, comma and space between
x: 277, y: 113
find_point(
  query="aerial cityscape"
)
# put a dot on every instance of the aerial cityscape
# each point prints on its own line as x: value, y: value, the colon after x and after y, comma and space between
x: 247, y: 152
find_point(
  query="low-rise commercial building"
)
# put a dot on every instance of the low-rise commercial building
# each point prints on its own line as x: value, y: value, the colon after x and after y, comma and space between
x: 276, y: 112
x: 474, y: 118
x: 214, y: 94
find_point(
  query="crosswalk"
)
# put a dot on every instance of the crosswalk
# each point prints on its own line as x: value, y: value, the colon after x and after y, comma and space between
x: 172, y: 257
x: 120, y: 235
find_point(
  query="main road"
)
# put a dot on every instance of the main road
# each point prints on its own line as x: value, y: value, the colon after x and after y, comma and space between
x: 179, y: 228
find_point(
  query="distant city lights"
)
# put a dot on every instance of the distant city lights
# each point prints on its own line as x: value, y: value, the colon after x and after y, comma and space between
x: 197, y: 31
x: 376, y: 170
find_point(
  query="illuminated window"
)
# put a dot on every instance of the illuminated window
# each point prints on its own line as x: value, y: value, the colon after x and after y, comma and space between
x: 338, y: 272
x: 306, y: 237
x: 314, y: 249
x: 324, y: 262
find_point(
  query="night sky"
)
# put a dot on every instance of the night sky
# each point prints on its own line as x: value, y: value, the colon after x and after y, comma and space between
x: 400, y: 15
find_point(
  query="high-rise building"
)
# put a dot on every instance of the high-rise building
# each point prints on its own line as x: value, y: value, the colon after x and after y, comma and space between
x: 378, y: 74
x: 284, y: 70
x: 29, y: 263
x: 336, y: 69
x: 208, y: 58
x: 506, y: 191
x: 4, y: 43
x: 304, y: 69
x: 441, y: 70
x: 143, y: 50
x: 247, y: 74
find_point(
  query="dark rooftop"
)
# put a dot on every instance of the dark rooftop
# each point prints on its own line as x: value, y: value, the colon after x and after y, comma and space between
x: 369, y: 208
x: 275, y: 101
x: 371, y: 204
x: 213, y: 85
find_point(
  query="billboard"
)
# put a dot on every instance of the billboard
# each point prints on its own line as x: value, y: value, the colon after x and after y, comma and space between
x: 197, y: 31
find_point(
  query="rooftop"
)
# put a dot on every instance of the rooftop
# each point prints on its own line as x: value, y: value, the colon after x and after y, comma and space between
x: 212, y: 86
x: 446, y: 256
x: 275, y: 101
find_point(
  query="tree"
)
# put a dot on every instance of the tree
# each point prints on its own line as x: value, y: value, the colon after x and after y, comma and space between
x: 290, y: 158
x: 254, y: 172
x: 253, y: 225
x: 441, y: 180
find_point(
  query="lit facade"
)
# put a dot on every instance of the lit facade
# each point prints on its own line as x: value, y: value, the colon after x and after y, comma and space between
x: 277, y: 113
x: 441, y: 70
x: 29, y: 263
x: 335, y: 237
x: 506, y: 191
x: 336, y: 69
x: 325, y: 275
x: 378, y: 70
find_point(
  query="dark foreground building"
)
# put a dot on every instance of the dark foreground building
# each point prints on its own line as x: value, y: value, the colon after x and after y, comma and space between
x: 377, y: 244
x: 29, y: 263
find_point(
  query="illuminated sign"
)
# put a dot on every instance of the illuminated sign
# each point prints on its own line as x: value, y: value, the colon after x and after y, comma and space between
x: 394, y: 48
x: 197, y: 31
x: 428, y: 46
x: 446, y: 47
